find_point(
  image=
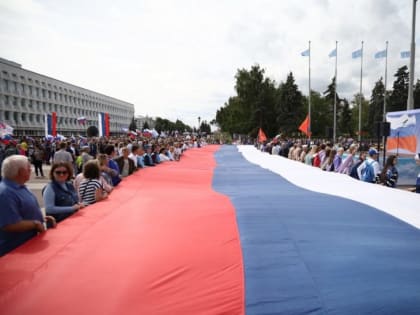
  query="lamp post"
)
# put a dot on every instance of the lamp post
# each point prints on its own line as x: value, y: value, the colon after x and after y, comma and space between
x: 410, y: 100
x: 198, y: 129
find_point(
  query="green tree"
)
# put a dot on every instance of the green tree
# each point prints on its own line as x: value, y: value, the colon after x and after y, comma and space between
x: 398, y: 98
x: 329, y: 98
x: 133, y: 125
x: 319, y: 120
x: 252, y: 107
x: 205, y: 127
x: 416, y: 93
x: 289, y: 106
x: 355, y: 114
x: 344, y: 121
x: 376, y: 105
x: 146, y: 125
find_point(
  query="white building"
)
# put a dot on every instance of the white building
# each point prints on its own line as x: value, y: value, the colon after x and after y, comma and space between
x: 25, y: 97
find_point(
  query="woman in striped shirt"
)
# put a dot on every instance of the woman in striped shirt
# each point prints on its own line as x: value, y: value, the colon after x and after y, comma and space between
x: 90, y: 189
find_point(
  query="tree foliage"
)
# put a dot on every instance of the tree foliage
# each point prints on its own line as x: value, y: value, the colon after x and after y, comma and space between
x: 259, y: 102
x: 398, y: 98
x: 166, y: 125
x: 133, y: 125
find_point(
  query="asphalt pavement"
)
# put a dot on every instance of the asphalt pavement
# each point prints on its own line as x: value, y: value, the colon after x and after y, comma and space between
x: 35, y: 184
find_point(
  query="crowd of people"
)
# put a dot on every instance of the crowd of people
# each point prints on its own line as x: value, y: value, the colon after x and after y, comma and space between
x: 357, y: 161
x: 83, y: 172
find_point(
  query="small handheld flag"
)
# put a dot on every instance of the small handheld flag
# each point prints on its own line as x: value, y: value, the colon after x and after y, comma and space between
x: 333, y: 53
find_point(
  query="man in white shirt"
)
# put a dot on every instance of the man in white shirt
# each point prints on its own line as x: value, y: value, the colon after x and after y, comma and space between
x: 371, y: 160
x: 134, y: 154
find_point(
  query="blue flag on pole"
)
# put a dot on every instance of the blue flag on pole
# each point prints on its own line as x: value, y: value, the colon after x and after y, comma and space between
x: 305, y: 53
x: 333, y: 53
x: 405, y: 54
x: 357, y: 53
x: 380, y: 54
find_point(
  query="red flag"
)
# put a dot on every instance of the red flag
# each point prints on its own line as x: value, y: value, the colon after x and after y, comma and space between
x: 261, y: 136
x: 107, y: 130
x: 54, y: 124
x: 304, y: 126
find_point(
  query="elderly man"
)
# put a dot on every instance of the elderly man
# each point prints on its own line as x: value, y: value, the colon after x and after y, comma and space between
x: 20, y: 215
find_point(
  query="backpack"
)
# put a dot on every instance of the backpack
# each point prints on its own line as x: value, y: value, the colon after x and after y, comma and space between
x: 353, y: 171
x: 368, y: 173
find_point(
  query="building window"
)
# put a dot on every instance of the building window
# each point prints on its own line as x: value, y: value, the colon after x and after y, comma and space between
x: 7, y: 115
x: 30, y: 90
x: 15, y: 101
x: 30, y: 104
x: 6, y: 100
x: 49, y: 94
x: 6, y: 85
x: 22, y: 102
x: 15, y: 85
x: 44, y: 93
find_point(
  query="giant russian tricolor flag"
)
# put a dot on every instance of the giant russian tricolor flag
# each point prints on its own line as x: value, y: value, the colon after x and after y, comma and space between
x: 103, y: 121
x: 227, y: 230
x: 50, y: 121
x: 405, y: 132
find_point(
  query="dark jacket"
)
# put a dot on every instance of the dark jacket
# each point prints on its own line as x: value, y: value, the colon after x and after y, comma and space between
x: 120, y: 162
x: 148, y: 161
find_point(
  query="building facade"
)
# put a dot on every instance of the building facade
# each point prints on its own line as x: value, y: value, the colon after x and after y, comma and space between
x: 142, y: 120
x: 26, y: 96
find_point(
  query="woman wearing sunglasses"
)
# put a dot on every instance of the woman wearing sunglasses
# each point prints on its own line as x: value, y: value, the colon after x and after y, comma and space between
x: 60, y: 196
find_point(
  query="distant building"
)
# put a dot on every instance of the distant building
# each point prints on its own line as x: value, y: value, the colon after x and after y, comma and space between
x: 141, y: 120
x: 25, y: 97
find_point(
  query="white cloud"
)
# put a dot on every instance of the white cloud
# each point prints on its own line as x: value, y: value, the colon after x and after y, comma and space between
x: 178, y: 59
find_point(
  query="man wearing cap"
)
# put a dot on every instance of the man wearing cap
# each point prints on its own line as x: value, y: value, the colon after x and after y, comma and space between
x: 371, y: 160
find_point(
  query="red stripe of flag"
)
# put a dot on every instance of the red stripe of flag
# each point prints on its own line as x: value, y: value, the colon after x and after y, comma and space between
x: 106, y: 124
x: 54, y: 124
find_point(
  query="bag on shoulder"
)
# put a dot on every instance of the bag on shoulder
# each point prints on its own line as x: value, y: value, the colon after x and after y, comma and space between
x: 353, y: 170
x: 368, y: 173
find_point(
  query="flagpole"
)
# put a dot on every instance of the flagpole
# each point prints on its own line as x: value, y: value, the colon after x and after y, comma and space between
x: 309, y: 96
x: 360, y: 96
x: 335, y: 95
x: 385, y: 79
x: 384, y: 110
x: 410, y: 100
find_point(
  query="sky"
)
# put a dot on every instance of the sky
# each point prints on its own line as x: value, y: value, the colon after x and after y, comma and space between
x: 178, y: 59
